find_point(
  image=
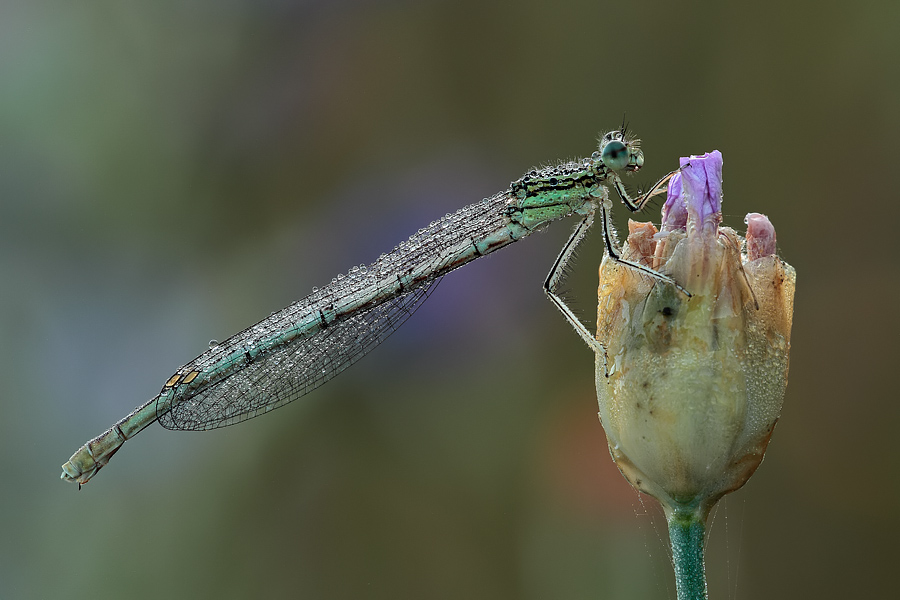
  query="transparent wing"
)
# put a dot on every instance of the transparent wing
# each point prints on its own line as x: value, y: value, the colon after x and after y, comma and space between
x: 297, y: 349
x: 294, y: 369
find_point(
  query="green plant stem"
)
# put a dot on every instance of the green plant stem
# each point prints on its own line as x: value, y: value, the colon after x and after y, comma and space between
x: 686, y: 534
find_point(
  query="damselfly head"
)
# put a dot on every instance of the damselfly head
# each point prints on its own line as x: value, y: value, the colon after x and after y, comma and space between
x: 617, y: 152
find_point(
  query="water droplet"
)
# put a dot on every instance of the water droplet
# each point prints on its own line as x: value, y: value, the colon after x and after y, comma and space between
x: 213, y: 344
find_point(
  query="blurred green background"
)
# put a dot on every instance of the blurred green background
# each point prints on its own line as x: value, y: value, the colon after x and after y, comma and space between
x: 171, y: 172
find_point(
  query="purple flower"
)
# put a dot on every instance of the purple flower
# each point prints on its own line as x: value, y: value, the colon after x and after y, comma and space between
x: 695, y: 195
x: 702, y: 182
x: 674, y: 211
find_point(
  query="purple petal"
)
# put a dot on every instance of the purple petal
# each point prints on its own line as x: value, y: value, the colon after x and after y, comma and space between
x: 702, y: 182
x: 674, y: 211
x: 760, y: 236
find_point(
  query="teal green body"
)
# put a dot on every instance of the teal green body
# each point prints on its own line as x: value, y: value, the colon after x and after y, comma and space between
x: 552, y: 194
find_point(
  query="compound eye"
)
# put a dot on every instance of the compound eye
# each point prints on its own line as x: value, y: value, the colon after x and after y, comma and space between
x: 615, y: 155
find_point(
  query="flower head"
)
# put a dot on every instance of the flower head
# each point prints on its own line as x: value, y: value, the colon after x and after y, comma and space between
x: 690, y: 388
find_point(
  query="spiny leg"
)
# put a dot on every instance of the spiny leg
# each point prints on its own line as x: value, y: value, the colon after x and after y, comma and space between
x: 557, y: 272
x: 638, y: 205
x: 634, y: 206
x: 613, y: 253
x: 551, y: 284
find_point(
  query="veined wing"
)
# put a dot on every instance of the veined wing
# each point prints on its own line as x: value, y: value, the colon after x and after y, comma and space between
x: 302, y: 346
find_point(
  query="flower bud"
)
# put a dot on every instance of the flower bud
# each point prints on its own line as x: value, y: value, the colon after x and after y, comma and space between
x: 690, y: 387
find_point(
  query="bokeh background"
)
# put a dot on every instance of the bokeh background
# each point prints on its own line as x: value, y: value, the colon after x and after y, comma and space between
x: 171, y: 172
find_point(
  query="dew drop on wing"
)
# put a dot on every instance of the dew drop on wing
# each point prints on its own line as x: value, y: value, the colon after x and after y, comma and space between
x: 301, y: 366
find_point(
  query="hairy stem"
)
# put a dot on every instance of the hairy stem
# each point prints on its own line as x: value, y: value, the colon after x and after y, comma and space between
x: 686, y: 533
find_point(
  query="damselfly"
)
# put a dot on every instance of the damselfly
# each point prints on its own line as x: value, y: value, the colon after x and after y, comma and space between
x: 295, y: 350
